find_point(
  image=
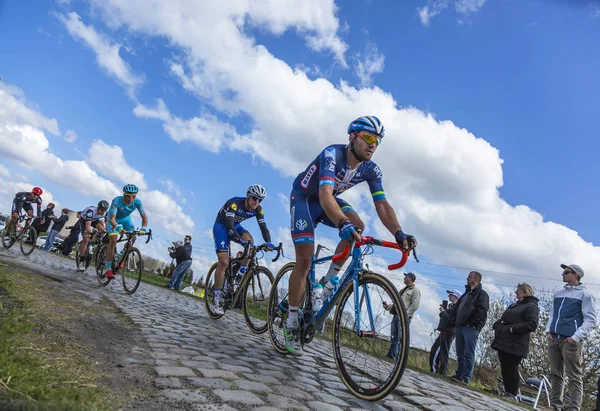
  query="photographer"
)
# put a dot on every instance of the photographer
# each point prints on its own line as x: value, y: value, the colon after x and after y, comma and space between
x: 438, y: 357
x: 183, y: 256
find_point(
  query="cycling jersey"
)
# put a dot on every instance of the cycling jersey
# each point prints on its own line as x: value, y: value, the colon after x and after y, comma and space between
x: 331, y: 168
x: 123, y: 213
x: 89, y: 214
x: 229, y: 217
x: 123, y: 210
x: 23, y: 200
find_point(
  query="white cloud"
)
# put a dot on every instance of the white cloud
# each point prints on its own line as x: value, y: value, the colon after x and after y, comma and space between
x: 462, y: 7
x: 175, y: 189
x: 110, y: 162
x: 206, y: 131
x: 368, y: 64
x: 4, y: 171
x: 166, y: 213
x: 107, y: 53
x: 70, y: 136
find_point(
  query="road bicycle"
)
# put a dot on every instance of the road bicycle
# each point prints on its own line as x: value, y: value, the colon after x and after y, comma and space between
x: 22, y: 232
x: 91, y: 253
x: 253, y: 288
x: 129, y: 262
x: 361, y: 326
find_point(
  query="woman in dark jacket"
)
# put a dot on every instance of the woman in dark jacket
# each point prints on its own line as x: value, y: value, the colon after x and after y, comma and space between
x: 512, y: 333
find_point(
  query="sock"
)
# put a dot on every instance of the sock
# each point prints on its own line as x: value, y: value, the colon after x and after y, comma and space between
x: 292, y: 320
x: 217, y: 295
x: 334, y: 270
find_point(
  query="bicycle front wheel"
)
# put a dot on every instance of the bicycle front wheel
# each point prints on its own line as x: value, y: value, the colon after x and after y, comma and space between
x: 28, y: 239
x: 364, y: 346
x: 209, y: 293
x: 100, y: 264
x: 255, y: 299
x: 131, y: 271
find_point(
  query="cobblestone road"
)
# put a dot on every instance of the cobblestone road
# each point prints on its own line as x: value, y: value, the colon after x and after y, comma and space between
x: 221, y: 365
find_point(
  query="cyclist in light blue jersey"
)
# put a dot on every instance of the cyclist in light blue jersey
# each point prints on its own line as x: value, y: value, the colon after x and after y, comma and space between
x: 314, y: 200
x: 119, y: 218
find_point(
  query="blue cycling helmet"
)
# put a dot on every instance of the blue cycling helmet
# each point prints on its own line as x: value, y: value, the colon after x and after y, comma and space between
x: 367, y: 123
x: 130, y: 188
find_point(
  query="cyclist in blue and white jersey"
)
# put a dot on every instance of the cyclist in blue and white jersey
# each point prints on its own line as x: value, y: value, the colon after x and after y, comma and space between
x: 314, y: 200
x: 227, y: 226
x: 91, y: 218
x: 119, y: 218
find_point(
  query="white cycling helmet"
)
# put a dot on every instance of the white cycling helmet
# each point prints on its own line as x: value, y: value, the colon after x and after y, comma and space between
x: 256, y: 190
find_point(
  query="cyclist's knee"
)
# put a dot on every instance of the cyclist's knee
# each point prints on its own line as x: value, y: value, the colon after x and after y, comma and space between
x: 223, y: 259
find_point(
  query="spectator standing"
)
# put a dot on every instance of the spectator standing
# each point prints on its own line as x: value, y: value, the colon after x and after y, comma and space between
x: 41, y: 225
x: 572, y: 318
x: 469, y: 317
x: 438, y: 356
x: 411, y: 297
x: 183, y: 257
x: 512, y: 332
x: 56, y: 227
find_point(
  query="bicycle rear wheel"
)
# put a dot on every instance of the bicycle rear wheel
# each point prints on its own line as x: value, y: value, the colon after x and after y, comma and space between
x: 8, y: 239
x: 255, y: 299
x: 28, y: 239
x: 278, y: 307
x: 131, y: 270
x: 100, y: 264
x: 209, y: 292
x: 361, y: 357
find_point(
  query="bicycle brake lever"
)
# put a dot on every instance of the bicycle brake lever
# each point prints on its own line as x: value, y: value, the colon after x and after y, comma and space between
x: 415, y: 255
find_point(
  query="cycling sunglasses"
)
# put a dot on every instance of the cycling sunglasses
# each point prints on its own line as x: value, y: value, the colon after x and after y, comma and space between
x: 369, y: 139
x: 132, y: 195
x: 257, y: 199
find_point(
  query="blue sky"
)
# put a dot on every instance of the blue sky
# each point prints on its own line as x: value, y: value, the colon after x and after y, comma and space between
x: 490, y: 156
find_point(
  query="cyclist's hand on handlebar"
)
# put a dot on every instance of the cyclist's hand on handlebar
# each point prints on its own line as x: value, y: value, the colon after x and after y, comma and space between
x: 143, y: 231
x: 270, y: 246
x: 348, y: 232
x: 405, y: 241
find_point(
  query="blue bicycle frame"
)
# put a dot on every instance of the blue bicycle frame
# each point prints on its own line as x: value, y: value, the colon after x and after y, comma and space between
x: 351, y: 274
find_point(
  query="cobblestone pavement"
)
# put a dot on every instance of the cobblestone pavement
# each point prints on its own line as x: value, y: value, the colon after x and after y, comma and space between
x: 220, y: 365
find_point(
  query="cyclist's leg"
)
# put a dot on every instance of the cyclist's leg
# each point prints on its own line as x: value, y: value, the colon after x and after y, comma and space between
x: 221, y: 240
x: 246, y: 236
x: 334, y: 268
x: 15, y: 211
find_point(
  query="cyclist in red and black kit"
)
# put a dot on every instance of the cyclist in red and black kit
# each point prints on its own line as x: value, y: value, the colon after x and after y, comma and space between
x: 24, y: 201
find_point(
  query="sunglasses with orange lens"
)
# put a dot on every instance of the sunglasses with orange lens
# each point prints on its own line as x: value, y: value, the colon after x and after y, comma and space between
x: 369, y: 139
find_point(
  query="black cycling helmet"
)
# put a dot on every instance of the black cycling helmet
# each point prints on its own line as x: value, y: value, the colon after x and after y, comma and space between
x: 103, y: 204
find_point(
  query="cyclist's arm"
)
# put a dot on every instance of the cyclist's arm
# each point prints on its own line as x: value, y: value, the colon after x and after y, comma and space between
x: 387, y: 216
x: 330, y: 206
x: 260, y: 217
x: 144, y: 220
x: 230, y: 208
x: 39, y: 207
x: 88, y: 226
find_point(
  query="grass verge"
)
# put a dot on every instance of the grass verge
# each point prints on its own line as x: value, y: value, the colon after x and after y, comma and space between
x: 40, y: 370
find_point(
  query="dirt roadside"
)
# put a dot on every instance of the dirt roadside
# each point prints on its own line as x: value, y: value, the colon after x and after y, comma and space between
x: 111, y: 346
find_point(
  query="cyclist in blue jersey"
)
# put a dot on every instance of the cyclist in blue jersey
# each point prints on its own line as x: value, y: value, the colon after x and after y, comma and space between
x: 119, y: 218
x: 314, y: 200
x: 227, y: 226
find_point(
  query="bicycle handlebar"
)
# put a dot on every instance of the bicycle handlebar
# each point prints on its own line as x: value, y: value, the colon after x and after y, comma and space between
x: 137, y: 232
x: 263, y: 247
x: 367, y: 240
